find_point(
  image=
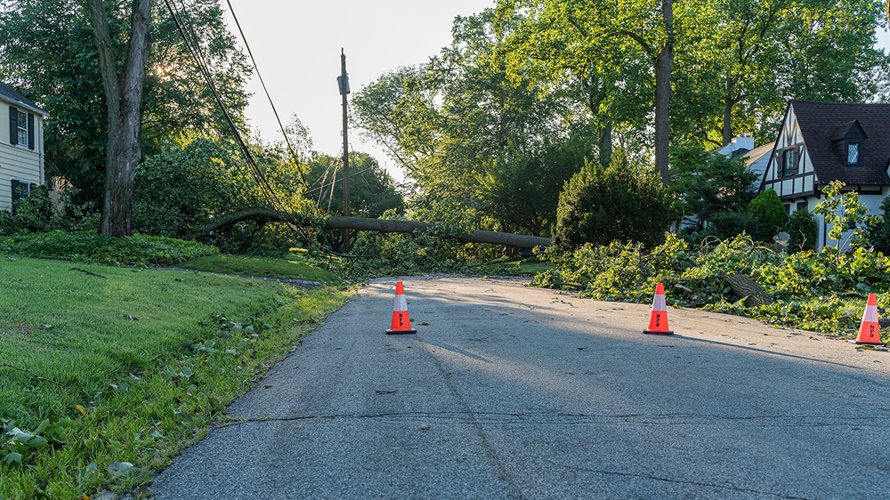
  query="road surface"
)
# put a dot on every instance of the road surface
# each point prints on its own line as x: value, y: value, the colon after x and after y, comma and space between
x: 516, y: 392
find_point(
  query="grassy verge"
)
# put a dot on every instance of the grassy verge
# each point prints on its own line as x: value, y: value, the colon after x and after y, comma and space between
x: 126, y: 369
x: 292, y: 266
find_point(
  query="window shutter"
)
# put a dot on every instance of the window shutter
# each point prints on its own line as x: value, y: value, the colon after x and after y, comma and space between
x: 30, y: 131
x: 15, y: 190
x: 13, y: 126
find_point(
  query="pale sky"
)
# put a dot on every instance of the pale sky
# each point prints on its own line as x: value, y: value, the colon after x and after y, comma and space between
x: 297, y: 47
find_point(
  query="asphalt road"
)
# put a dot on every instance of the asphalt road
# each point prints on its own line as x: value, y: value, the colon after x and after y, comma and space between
x: 515, y: 392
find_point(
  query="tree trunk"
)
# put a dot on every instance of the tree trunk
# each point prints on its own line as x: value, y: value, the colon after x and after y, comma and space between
x: 381, y: 225
x: 663, y: 61
x: 124, y: 101
x: 727, y: 111
x: 606, y: 143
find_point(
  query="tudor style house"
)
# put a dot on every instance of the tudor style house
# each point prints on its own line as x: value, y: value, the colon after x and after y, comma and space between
x: 820, y: 142
x: 21, y: 146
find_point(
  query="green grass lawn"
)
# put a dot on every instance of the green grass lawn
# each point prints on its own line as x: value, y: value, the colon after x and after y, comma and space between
x: 293, y: 266
x: 129, y: 367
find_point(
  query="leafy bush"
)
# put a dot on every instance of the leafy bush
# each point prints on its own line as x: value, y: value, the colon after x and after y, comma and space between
x: 621, y: 202
x: 432, y: 250
x: 36, y: 214
x: 729, y: 225
x: 707, y: 183
x: 810, y: 289
x: 179, y: 191
x: 841, y: 211
x: 93, y: 248
x: 803, y: 230
x: 769, y: 211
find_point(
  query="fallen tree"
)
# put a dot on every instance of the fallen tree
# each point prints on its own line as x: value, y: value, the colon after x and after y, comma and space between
x: 363, y: 224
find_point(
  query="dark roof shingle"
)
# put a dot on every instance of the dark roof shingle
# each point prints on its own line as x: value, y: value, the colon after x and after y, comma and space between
x: 11, y: 93
x: 820, y: 122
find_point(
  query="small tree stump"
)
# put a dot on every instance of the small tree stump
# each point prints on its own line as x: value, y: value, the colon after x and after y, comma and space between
x: 746, y: 289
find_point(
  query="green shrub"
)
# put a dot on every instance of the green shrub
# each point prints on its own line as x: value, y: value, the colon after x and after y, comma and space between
x: 769, y: 211
x: 728, y: 224
x: 36, y: 214
x: 810, y: 290
x: 431, y: 250
x: 803, y: 230
x: 622, y: 202
x: 93, y: 248
x: 179, y: 191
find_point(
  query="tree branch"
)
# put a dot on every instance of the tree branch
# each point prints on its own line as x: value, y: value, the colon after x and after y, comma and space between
x: 32, y: 374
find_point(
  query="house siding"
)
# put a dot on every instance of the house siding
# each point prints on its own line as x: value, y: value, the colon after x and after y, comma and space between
x: 19, y: 162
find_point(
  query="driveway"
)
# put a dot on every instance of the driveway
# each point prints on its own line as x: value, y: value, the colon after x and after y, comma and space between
x: 515, y: 392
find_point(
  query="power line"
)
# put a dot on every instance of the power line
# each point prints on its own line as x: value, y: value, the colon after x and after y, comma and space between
x: 260, y: 76
x: 193, y: 48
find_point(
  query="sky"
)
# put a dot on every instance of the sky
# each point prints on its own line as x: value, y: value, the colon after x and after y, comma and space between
x: 297, y: 46
x: 297, y: 43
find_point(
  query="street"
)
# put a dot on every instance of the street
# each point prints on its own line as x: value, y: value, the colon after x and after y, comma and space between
x: 516, y: 392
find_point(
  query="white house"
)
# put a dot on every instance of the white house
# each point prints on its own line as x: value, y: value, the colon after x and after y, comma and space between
x: 820, y: 142
x: 21, y: 146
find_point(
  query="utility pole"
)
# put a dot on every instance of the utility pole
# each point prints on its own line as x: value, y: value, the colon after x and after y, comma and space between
x: 343, y: 82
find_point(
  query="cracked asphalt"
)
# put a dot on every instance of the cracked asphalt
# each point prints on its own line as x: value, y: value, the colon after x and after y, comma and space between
x: 515, y: 392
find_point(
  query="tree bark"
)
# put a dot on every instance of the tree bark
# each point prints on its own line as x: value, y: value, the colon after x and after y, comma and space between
x: 381, y: 225
x: 124, y: 102
x: 605, y: 143
x: 727, y: 111
x: 663, y: 61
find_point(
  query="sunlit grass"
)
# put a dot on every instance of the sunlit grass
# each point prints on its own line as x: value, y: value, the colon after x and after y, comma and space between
x: 293, y: 266
x: 151, y: 357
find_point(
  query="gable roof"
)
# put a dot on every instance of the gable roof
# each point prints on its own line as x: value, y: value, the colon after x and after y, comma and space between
x: 9, y: 94
x: 820, y: 122
x: 757, y: 153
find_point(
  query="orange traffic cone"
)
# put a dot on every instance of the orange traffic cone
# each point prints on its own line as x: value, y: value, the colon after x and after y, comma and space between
x: 870, y: 330
x: 401, y: 323
x: 658, y: 323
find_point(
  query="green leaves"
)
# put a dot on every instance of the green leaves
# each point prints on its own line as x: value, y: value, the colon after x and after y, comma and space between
x: 815, y: 291
x: 844, y: 211
x: 17, y: 447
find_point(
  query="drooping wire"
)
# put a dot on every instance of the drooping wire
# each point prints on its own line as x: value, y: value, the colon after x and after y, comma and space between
x: 266, y: 189
x: 257, y: 69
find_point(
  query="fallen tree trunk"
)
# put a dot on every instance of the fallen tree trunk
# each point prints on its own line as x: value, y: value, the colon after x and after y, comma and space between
x: 363, y: 224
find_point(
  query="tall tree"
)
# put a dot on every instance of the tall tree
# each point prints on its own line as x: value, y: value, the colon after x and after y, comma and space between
x: 462, y: 122
x: 738, y: 73
x: 48, y: 50
x: 558, y: 36
x: 123, y: 95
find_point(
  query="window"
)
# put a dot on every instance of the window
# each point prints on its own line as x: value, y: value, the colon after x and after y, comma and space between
x: 853, y: 153
x: 802, y: 205
x: 23, y: 128
x: 21, y: 189
x: 787, y: 212
x: 788, y: 159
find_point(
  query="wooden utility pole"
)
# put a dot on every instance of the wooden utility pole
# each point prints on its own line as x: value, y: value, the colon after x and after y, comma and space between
x: 344, y: 90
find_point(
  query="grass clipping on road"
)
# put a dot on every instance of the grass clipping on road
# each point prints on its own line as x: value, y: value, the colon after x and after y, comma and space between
x: 108, y: 375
